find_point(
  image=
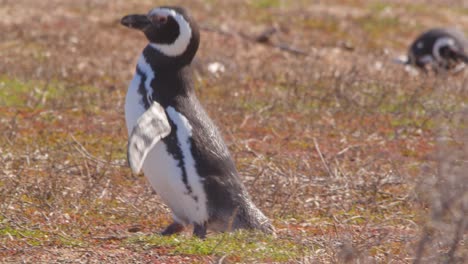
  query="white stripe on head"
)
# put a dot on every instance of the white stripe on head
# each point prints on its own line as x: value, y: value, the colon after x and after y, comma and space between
x: 440, y: 43
x: 148, y: 71
x: 185, y: 33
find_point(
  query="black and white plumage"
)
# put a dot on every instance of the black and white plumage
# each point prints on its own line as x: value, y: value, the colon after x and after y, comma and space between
x: 439, y: 49
x: 172, y: 139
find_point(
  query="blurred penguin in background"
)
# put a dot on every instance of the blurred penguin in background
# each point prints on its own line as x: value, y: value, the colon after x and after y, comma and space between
x: 441, y: 50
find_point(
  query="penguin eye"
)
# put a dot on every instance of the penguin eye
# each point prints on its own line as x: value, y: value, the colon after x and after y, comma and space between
x: 159, y: 20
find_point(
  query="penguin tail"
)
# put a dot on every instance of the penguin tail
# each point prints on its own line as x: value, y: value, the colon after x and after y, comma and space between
x: 250, y: 217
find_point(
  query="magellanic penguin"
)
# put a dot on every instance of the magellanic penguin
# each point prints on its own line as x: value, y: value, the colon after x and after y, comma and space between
x: 439, y: 49
x: 172, y: 139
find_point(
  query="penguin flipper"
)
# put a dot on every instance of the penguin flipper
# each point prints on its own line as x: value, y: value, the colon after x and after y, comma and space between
x: 151, y: 127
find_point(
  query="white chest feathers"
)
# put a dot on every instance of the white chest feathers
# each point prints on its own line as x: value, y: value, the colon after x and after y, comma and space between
x: 134, y: 102
x: 176, y: 180
x: 172, y: 175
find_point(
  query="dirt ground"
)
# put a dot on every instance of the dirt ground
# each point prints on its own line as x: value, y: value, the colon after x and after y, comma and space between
x: 354, y: 158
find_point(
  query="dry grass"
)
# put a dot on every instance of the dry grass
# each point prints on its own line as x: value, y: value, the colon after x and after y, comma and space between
x: 354, y: 159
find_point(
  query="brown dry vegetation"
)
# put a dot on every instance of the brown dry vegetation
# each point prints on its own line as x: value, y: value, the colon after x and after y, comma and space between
x: 354, y: 159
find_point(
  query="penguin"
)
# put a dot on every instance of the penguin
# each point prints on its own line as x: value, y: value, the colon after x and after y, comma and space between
x: 440, y: 49
x: 172, y: 139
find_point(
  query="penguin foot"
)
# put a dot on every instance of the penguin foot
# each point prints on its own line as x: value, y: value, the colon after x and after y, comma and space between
x: 199, y: 230
x: 173, y: 228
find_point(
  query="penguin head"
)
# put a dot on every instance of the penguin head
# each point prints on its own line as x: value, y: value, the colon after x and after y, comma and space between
x: 170, y: 30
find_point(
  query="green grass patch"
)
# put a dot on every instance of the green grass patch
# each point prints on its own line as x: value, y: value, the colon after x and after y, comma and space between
x: 239, y: 246
x: 34, y: 93
x: 31, y: 236
x: 14, y: 92
x: 378, y: 7
x: 325, y: 24
x: 38, y: 93
x: 265, y: 3
x: 380, y: 28
x: 377, y: 25
x: 65, y: 240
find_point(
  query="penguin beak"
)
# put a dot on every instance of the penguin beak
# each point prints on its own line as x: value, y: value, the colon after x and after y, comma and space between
x: 135, y: 21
